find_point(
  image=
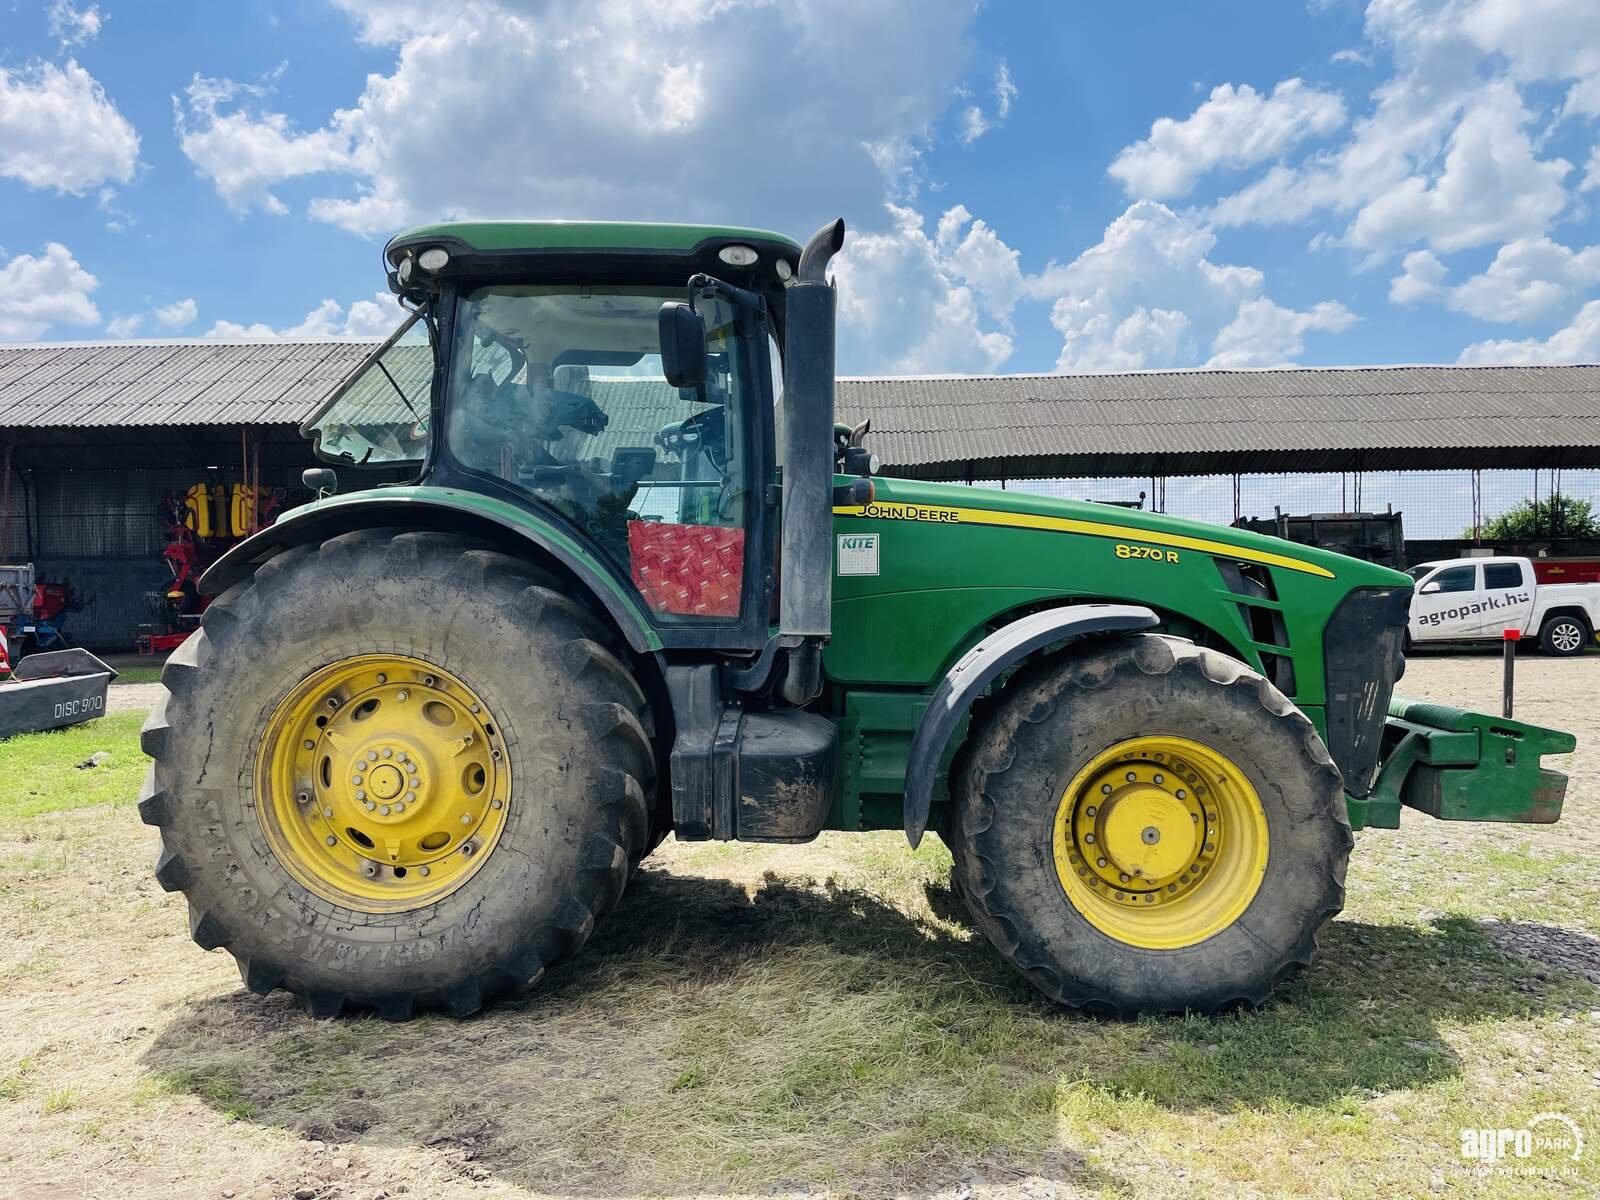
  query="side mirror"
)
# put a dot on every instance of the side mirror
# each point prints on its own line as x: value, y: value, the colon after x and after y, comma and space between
x: 321, y: 481
x: 683, y: 345
x: 1428, y: 589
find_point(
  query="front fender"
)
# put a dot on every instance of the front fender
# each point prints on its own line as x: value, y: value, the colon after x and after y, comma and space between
x: 446, y: 510
x: 980, y: 666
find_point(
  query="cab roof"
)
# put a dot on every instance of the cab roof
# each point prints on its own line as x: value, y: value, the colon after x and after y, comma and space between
x: 491, y: 236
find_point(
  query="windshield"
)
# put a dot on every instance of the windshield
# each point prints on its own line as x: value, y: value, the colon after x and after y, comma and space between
x: 558, y: 391
x: 1419, y: 572
x: 379, y: 415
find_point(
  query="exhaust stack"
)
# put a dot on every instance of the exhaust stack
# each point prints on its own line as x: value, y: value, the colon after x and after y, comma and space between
x: 805, y: 618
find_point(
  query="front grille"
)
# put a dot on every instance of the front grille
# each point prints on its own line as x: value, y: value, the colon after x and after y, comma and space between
x: 1362, y: 654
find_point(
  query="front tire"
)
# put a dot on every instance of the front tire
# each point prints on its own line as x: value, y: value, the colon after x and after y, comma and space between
x: 1149, y: 826
x: 1563, y: 636
x: 397, y: 771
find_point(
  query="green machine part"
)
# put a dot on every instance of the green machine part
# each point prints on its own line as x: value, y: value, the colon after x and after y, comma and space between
x: 1465, y: 766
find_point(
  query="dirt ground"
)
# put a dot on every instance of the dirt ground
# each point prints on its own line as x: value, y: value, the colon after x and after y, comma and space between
x: 821, y: 1019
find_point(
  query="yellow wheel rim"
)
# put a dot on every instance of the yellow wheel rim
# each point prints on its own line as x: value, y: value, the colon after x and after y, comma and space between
x: 382, y: 783
x: 1160, y: 842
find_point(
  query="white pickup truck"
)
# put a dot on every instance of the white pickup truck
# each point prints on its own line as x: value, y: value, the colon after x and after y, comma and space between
x: 1474, y: 599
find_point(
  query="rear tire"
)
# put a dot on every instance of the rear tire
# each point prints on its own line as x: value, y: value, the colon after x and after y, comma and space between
x: 1563, y: 635
x: 1053, y: 763
x: 557, y: 724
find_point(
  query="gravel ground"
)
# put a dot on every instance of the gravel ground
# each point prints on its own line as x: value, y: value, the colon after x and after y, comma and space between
x: 131, y: 697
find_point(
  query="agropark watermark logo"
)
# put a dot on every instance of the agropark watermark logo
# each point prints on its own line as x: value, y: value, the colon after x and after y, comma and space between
x: 1548, y: 1141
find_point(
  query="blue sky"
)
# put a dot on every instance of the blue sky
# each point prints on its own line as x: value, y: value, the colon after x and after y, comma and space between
x: 1032, y: 187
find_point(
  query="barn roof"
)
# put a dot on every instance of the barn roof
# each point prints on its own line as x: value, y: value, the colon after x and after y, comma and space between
x: 958, y: 427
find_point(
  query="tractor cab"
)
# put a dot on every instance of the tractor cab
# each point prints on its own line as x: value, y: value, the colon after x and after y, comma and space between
x: 531, y: 369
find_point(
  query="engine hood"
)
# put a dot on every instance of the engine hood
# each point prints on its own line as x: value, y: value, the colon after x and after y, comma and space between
x: 957, y: 504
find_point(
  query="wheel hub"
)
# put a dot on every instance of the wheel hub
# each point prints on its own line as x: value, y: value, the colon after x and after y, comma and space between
x: 1160, y: 841
x: 382, y: 783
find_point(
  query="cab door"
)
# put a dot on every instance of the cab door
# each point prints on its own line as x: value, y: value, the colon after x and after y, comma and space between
x: 1444, y: 604
x: 1508, y: 598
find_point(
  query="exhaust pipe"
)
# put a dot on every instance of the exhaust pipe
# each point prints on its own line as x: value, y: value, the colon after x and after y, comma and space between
x: 805, y: 616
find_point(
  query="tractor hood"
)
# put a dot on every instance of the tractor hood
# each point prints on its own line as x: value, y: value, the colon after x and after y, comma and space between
x: 958, y: 504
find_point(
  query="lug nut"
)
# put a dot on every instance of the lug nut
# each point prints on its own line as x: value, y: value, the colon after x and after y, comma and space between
x: 382, y: 678
x: 1180, y: 793
x: 328, y: 812
x: 1090, y: 811
x: 383, y: 811
x: 372, y: 756
x: 409, y: 796
x: 371, y: 807
x: 362, y: 796
x: 303, y: 797
x: 474, y: 708
x: 1089, y: 838
x: 400, y: 695
x: 1161, y: 779
x: 497, y: 804
x: 411, y: 767
x: 1101, y: 863
x: 388, y: 753
x: 331, y: 840
x: 1105, y: 789
x: 356, y: 779
x: 1130, y: 777
x: 425, y: 871
x: 309, y: 744
x: 466, y: 818
x: 399, y: 808
x: 1123, y: 878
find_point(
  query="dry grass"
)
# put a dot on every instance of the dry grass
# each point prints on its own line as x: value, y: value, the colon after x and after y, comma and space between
x: 814, y: 1018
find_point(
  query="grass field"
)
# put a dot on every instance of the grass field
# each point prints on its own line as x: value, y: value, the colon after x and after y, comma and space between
x: 800, y: 1019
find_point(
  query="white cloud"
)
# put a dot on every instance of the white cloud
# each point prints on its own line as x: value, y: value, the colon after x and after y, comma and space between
x: 1264, y: 334
x: 177, y: 315
x: 372, y: 318
x: 906, y: 305
x: 974, y: 123
x: 1577, y: 342
x: 1149, y: 295
x: 59, y: 130
x: 43, y: 292
x: 1542, y: 40
x: 244, y: 155
x: 1529, y: 279
x: 1421, y: 278
x: 1234, y: 127
x: 1358, y: 58
x: 1492, y: 186
x: 73, y: 26
x: 615, y: 108
x: 1444, y: 157
x: 119, y: 329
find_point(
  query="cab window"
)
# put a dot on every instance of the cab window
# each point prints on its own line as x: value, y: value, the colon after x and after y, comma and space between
x: 558, y: 392
x: 379, y: 415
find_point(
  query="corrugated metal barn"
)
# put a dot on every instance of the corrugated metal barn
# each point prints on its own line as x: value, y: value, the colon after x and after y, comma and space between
x: 98, y: 435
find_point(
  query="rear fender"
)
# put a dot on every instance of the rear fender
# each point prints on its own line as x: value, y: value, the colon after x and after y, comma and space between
x: 980, y: 667
x: 446, y: 510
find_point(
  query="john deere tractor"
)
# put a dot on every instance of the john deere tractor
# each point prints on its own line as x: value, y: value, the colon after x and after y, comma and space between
x: 640, y: 583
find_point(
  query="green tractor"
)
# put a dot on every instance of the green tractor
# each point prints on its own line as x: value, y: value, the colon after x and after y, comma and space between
x: 640, y: 582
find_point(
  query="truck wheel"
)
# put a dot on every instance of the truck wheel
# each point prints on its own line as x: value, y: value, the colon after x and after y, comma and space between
x: 1149, y: 826
x: 397, y: 771
x: 1563, y: 635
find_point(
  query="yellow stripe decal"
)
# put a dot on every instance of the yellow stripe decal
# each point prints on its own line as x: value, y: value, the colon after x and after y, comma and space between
x: 941, y: 515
